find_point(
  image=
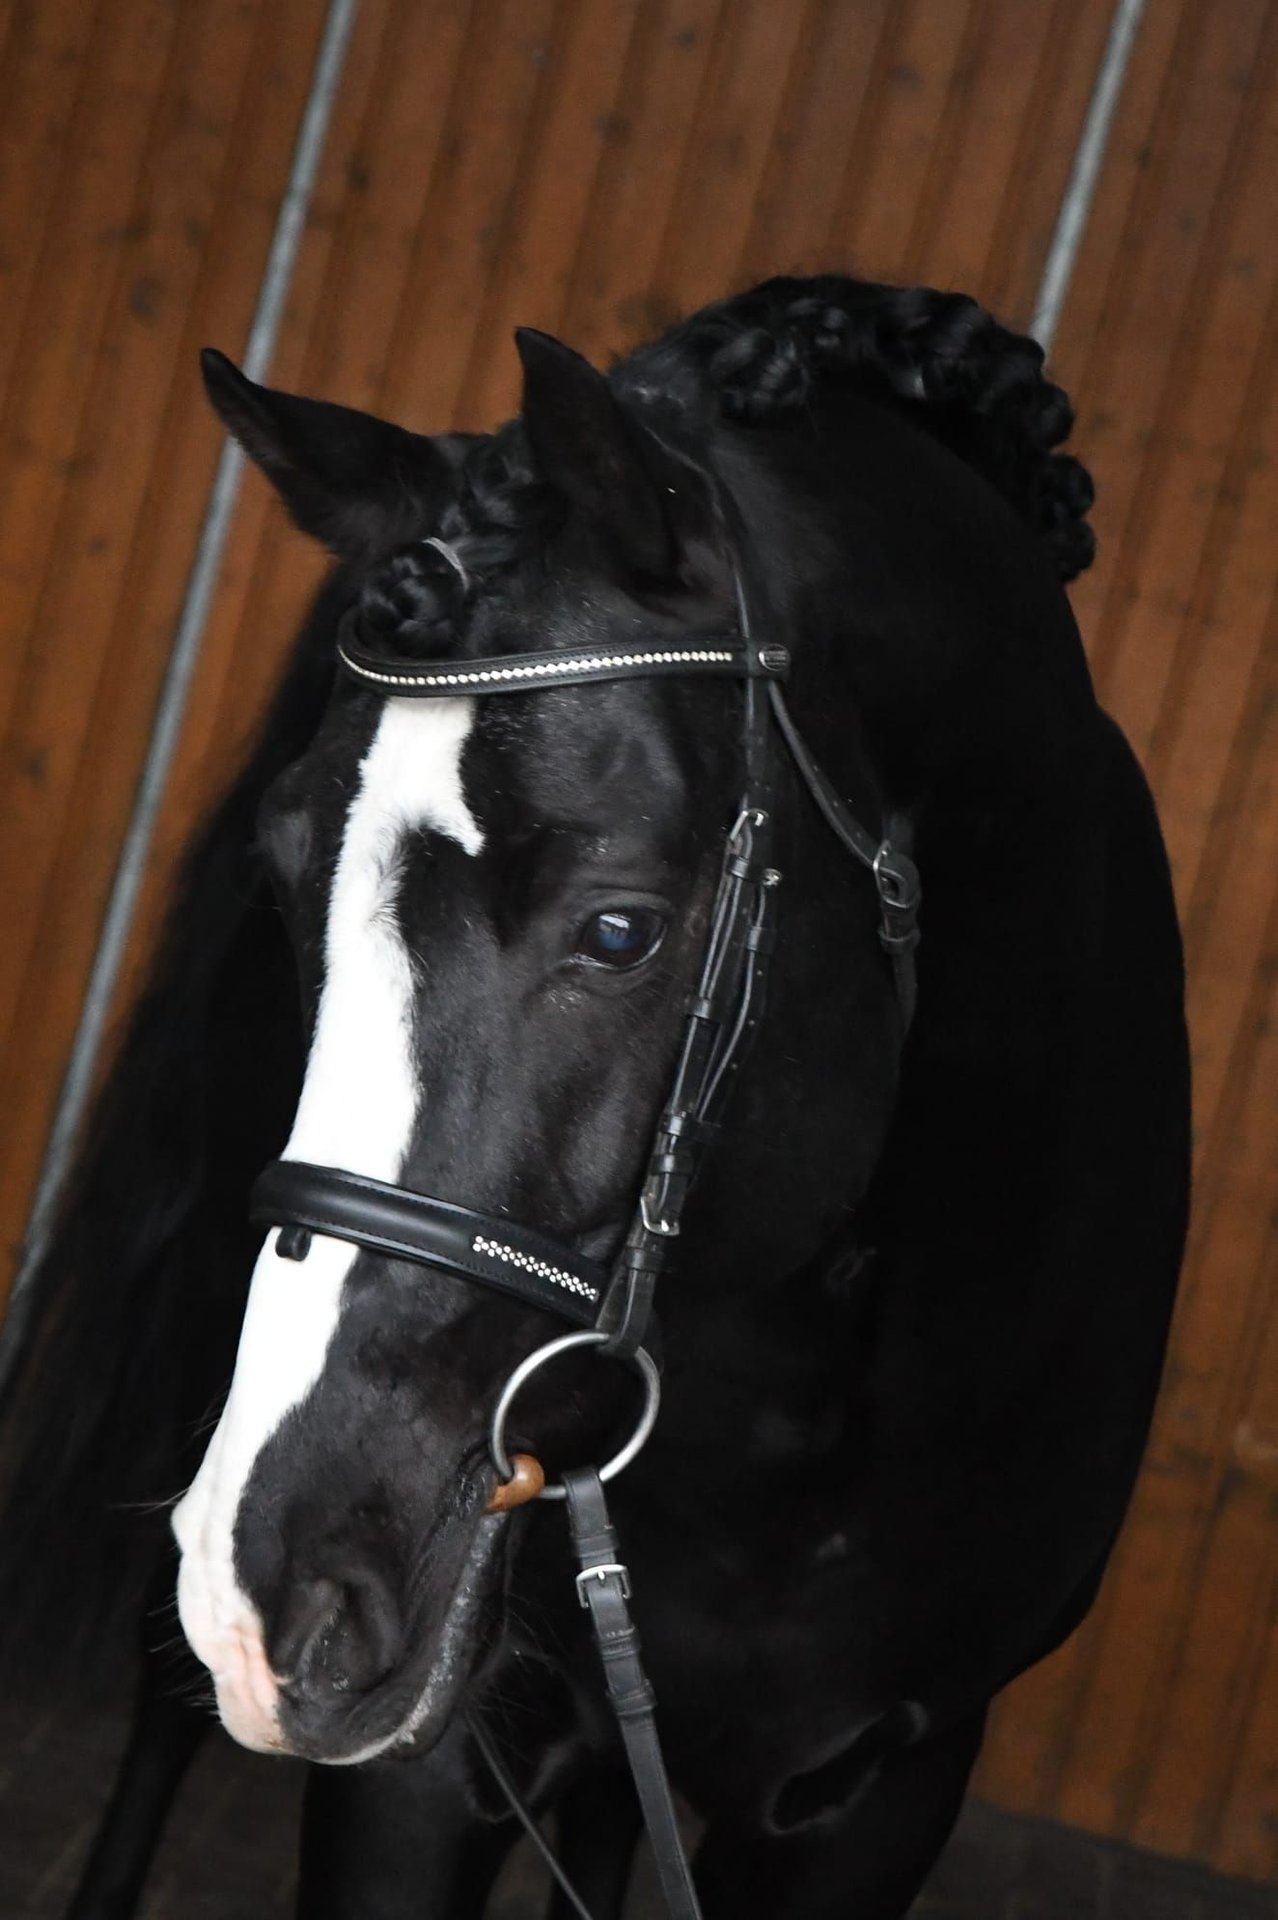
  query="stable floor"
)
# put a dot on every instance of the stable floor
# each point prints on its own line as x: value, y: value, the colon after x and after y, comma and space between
x: 228, y: 1854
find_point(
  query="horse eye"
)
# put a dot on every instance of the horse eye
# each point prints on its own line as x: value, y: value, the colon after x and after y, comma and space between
x: 620, y: 937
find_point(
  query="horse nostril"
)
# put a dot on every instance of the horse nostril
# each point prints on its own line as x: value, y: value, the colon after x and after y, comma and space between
x: 344, y: 1635
x: 373, y: 1641
x: 309, y: 1609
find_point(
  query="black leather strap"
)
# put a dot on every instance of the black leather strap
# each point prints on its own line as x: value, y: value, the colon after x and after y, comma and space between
x: 413, y: 1226
x: 604, y: 1586
x: 895, y: 875
x: 723, y: 1013
x: 555, y: 667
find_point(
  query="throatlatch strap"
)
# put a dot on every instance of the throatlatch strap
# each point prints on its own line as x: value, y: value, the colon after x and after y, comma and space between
x: 896, y: 878
x: 604, y: 1586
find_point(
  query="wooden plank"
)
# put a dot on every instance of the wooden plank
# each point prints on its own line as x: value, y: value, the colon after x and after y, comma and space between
x: 385, y: 140
x: 611, y: 301
x: 836, y: 75
x: 582, y: 116
x: 708, y: 219
x: 1016, y: 102
x: 953, y: 121
x: 468, y: 210
x: 86, y: 244
x: 45, y: 64
x: 882, y: 195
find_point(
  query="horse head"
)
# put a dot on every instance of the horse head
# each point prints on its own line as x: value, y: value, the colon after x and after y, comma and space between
x: 499, y: 908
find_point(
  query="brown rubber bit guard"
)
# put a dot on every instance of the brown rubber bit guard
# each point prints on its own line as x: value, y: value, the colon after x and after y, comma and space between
x: 525, y: 1483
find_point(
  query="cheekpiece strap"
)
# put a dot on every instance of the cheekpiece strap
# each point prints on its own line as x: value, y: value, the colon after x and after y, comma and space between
x: 302, y: 1199
x: 723, y: 1014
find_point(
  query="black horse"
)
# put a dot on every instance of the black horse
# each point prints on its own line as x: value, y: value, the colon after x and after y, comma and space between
x: 912, y: 1326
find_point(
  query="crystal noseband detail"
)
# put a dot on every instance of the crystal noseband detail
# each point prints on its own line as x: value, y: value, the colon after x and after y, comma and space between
x: 434, y: 1233
x: 527, y: 1263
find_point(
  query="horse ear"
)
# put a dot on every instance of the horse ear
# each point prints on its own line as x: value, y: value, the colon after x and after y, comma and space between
x: 585, y: 443
x: 357, y: 483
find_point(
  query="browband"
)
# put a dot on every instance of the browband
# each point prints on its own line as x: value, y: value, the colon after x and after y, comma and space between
x: 557, y: 667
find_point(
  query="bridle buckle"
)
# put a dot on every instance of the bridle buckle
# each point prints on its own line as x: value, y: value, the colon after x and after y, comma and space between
x: 663, y: 1228
x: 601, y: 1574
x: 897, y: 879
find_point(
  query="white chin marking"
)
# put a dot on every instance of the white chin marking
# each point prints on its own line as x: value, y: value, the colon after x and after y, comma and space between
x: 357, y: 1109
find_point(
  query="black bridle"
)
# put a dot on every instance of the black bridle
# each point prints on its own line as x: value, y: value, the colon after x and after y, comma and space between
x: 612, y: 1308
x: 722, y: 1014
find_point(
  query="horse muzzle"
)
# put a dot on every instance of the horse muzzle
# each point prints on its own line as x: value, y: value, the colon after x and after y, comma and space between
x: 336, y: 1668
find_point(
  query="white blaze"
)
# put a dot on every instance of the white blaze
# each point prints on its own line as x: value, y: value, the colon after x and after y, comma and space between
x: 357, y: 1109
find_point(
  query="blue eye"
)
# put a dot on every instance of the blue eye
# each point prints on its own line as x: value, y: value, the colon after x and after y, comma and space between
x: 620, y: 937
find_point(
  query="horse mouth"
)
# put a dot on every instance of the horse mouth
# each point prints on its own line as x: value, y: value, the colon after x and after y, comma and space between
x: 409, y: 1711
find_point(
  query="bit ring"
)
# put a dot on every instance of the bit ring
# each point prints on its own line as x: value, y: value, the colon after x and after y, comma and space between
x: 642, y: 1362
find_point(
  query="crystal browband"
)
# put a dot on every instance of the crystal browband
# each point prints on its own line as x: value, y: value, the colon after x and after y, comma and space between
x: 562, y: 667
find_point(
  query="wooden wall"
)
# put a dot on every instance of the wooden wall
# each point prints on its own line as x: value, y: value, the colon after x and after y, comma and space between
x: 594, y: 167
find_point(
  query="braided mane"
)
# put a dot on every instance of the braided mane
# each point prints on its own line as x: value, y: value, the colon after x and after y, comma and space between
x: 760, y: 358
x: 411, y: 604
x: 946, y: 362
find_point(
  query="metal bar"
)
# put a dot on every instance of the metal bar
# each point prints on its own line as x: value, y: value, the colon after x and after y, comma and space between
x: 86, y: 1048
x: 1084, y: 176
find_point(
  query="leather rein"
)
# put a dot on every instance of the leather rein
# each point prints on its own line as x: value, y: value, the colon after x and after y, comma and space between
x: 610, y: 1308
